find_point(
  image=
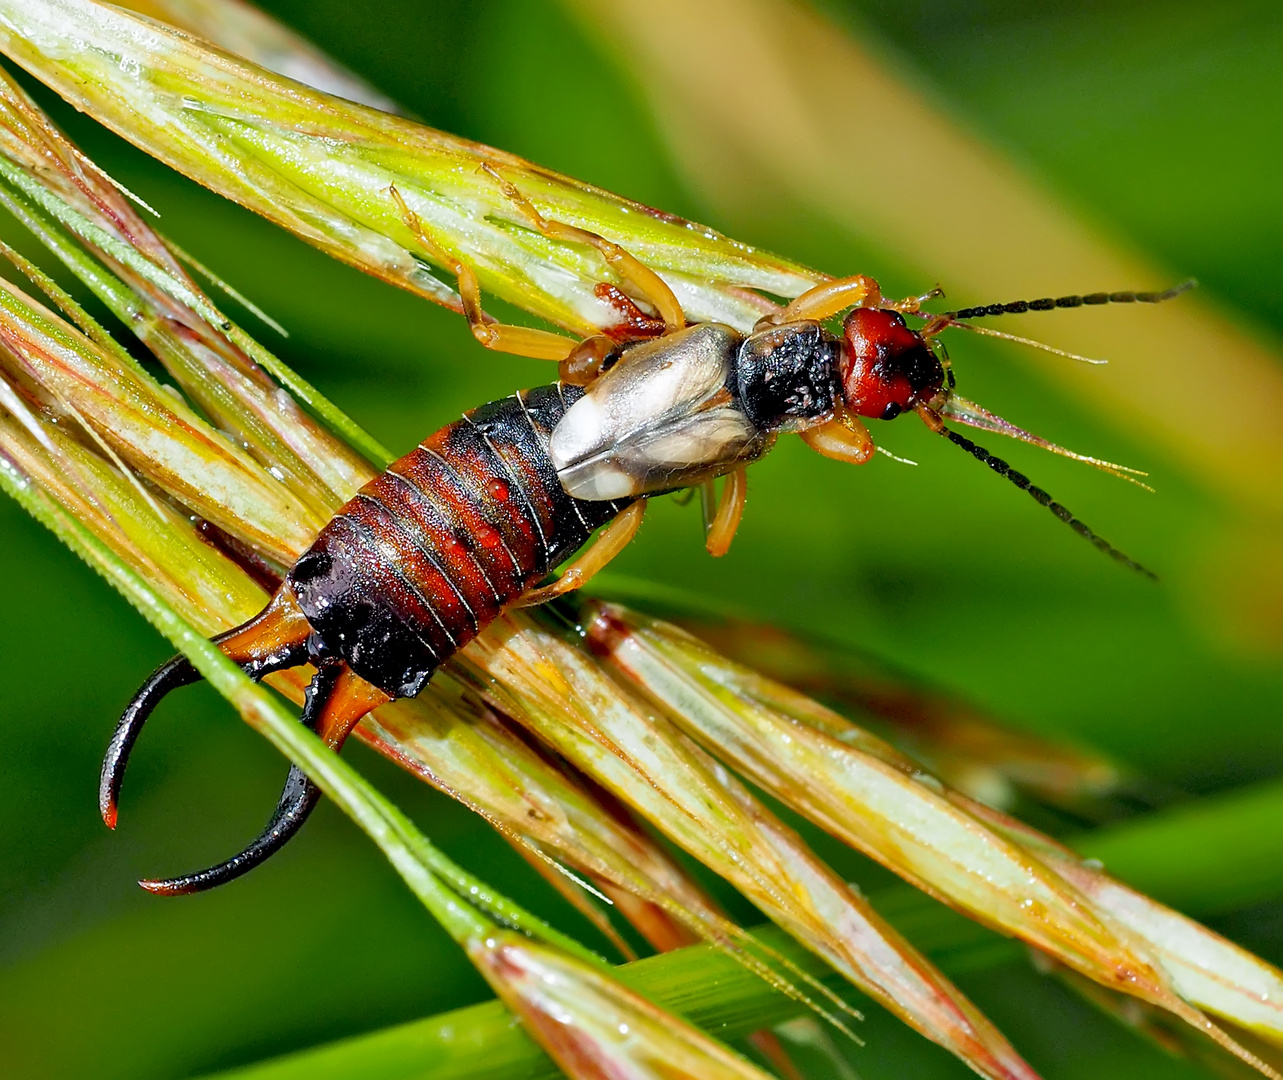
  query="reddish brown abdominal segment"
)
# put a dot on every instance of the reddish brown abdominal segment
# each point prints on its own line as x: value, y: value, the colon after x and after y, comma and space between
x: 432, y: 489
x: 428, y: 553
x: 441, y: 546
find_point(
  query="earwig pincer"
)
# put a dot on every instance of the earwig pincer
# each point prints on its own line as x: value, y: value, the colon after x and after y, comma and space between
x: 471, y: 521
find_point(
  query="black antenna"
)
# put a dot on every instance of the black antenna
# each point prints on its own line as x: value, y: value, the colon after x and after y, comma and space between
x: 1043, y: 499
x: 1047, y: 303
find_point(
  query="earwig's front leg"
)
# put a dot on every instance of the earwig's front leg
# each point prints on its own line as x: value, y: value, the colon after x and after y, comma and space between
x: 844, y: 438
x: 500, y: 337
x: 825, y: 301
x: 640, y: 277
x: 730, y: 509
x: 610, y: 542
x: 911, y: 305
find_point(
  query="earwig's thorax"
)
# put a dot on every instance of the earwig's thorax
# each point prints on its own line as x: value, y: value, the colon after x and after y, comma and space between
x: 787, y: 376
x: 886, y: 368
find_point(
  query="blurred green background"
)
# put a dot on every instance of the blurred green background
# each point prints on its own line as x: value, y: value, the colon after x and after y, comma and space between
x: 1160, y: 122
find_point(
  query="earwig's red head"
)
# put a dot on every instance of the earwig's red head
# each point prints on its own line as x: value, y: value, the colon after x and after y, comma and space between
x: 886, y: 367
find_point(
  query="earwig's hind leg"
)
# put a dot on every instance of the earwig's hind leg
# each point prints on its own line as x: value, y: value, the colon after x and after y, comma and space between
x: 708, y: 503
x: 730, y: 508
x: 336, y: 700
x: 609, y: 543
x: 683, y: 497
x: 500, y: 337
x: 275, y: 639
x: 631, y: 270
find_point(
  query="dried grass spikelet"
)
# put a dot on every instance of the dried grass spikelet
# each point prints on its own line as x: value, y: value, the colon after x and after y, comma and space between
x: 1004, y: 874
x: 558, y: 689
x: 548, y: 979
x: 1206, y: 969
x: 592, y: 1025
x: 966, y: 748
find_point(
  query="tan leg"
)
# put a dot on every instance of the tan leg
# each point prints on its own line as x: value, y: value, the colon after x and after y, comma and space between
x: 843, y: 438
x: 683, y: 497
x: 501, y: 337
x: 825, y: 301
x: 730, y: 508
x: 610, y: 542
x: 708, y: 503
x: 631, y: 270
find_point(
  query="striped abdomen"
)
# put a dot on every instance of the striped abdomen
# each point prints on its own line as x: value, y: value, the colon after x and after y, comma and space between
x: 427, y: 554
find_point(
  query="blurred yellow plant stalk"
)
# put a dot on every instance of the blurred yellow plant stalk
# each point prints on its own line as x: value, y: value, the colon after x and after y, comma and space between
x: 191, y: 524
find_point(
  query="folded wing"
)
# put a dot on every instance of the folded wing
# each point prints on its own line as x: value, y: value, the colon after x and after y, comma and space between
x: 666, y: 416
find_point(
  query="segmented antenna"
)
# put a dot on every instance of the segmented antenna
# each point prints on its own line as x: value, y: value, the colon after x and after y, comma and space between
x: 1048, y: 303
x: 1043, y: 499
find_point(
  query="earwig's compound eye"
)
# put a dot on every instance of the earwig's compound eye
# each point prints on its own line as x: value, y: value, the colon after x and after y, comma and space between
x: 886, y: 367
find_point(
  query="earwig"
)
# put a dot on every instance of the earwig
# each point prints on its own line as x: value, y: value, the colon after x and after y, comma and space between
x: 469, y: 523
